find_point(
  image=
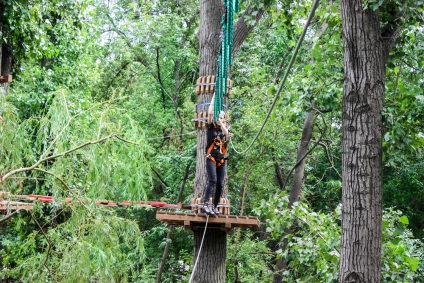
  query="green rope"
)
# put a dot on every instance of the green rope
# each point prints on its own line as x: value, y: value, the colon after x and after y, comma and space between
x: 225, y: 53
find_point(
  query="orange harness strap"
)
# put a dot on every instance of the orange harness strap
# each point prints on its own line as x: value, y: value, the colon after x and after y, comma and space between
x: 222, y: 149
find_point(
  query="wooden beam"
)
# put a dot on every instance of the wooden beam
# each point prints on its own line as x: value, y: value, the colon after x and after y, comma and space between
x: 6, y: 78
x: 226, y: 222
x: 14, y: 205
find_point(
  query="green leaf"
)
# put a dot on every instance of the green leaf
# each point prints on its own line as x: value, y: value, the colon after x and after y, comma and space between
x: 404, y: 220
x: 385, y: 224
x: 395, y: 241
x: 272, y: 90
x: 413, y: 263
x: 396, y: 70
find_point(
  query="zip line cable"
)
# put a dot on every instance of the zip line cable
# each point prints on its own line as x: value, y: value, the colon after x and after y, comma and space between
x: 299, y: 42
x: 200, y: 250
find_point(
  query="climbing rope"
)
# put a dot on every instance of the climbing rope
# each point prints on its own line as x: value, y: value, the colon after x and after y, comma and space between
x: 200, y: 250
x: 225, y: 54
x: 299, y: 42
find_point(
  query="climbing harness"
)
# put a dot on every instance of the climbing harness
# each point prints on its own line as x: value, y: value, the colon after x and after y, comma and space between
x: 225, y: 54
x: 221, y: 145
x: 200, y: 250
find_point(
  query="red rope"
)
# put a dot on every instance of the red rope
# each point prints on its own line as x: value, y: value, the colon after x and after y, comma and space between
x: 49, y: 199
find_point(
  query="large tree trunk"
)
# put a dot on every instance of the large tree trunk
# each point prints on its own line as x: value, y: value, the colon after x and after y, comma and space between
x: 363, y: 98
x: 211, y: 265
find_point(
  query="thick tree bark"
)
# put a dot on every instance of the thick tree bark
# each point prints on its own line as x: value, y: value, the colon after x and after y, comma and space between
x: 211, y: 265
x: 363, y: 98
x: 6, y: 60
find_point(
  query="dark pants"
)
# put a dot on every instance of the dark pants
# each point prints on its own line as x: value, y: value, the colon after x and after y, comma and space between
x: 216, y: 179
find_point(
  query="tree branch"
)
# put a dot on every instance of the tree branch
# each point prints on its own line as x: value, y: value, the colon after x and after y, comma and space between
x: 9, y: 216
x: 35, y: 165
x: 242, y: 29
x: 308, y: 152
x: 328, y: 154
x: 162, y: 181
x: 168, y: 236
x: 45, y: 236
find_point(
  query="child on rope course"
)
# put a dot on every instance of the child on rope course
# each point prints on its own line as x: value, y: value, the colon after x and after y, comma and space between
x: 216, y: 150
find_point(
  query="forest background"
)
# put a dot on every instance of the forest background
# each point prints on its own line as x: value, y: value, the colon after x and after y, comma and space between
x: 101, y: 107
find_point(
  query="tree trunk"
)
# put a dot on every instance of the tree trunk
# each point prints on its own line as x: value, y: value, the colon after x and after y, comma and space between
x: 296, y: 188
x: 299, y: 173
x: 211, y: 265
x: 363, y: 98
x: 6, y: 60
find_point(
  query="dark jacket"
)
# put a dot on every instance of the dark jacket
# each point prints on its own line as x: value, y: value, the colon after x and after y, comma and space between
x: 212, y: 134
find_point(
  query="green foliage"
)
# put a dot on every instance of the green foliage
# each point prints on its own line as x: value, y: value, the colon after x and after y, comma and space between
x: 104, y: 248
x: 313, y: 247
x: 403, y: 190
x: 42, y: 29
x: 118, y: 81
x: 250, y: 257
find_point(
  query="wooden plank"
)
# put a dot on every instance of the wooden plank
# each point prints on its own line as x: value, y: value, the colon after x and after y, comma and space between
x: 212, y: 87
x: 195, y: 123
x: 202, y: 82
x: 208, y: 87
x: 230, y: 86
x: 198, y: 86
x: 6, y: 78
x: 202, y: 116
x: 225, y: 221
x: 15, y: 205
x: 187, y: 225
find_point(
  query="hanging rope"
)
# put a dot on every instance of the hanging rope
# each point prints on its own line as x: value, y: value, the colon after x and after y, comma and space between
x: 200, y: 250
x: 299, y: 43
x: 225, y: 54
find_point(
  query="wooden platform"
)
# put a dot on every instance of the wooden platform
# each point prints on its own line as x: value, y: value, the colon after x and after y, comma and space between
x: 192, y: 221
x: 14, y: 205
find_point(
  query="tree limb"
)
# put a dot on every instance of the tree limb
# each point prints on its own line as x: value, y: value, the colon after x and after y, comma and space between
x: 308, y: 152
x: 9, y: 216
x: 328, y: 154
x: 242, y: 29
x: 162, y: 181
x: 35, y: 165
x: 47, y: 239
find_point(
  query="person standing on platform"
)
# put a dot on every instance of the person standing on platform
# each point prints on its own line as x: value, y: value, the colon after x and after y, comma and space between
x: 216, y: 150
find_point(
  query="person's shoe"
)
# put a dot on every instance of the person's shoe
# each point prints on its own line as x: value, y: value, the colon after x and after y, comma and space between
x: 216, y: 210
x: 206, y: 209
